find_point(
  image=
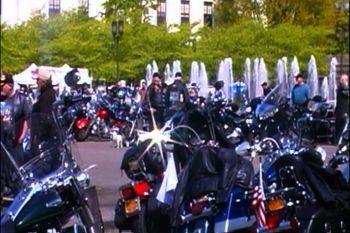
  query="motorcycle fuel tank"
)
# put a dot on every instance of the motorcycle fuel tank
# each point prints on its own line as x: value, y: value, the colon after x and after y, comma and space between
x: 38, y: 207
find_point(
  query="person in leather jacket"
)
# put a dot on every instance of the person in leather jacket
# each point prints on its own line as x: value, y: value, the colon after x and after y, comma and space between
x: 177, y: 96
x: 155, y: 100
x: 47, y: 94
x: 342, y: 107
x: 15, y: 113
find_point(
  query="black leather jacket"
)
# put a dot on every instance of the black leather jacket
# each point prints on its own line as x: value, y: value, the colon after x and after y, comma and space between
x: 155, y: 97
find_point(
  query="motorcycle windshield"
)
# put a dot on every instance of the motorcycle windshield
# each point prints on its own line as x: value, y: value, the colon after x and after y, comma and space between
x: 43, y: 147
x: 272, y: 101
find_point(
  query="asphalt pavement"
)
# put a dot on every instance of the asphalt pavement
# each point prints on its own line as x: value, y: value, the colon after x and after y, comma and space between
x: 107, y: 176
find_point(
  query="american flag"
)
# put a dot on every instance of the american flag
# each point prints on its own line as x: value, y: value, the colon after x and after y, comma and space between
x: 259, y: 206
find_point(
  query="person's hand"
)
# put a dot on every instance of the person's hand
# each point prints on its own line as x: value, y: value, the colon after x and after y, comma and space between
x: 152, y: 110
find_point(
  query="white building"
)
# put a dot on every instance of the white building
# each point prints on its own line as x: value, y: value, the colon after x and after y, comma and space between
x: 168, y: 11
x: 17, y: 11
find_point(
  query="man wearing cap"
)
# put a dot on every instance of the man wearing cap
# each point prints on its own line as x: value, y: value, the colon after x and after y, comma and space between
x: 15, y: 112
x: 300, y: 92
x: 47, y: 94
x: 14, y: 115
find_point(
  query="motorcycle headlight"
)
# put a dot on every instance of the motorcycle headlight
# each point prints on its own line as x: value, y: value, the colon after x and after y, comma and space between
x: 321, y: 152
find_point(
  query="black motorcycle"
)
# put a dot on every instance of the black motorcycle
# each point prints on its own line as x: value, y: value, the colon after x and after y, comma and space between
x: 273, y: 116
x: 315, y: 125
x: 318, y: 193
x: 54, y: 193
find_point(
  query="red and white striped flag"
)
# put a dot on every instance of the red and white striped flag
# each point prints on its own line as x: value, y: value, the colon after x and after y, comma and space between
x: 259, y: 206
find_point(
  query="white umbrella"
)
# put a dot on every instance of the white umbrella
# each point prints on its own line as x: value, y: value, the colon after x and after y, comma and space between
x: 247, y: 76
x: 203, y: 81
x: 194, y: 75
x: 221, y: 75
x: 332, y: 79
x: 228, y: 85
x: 312, y: 77
x: 285, y: 65
x: 325, y: 88
x: 176, y: 67
x: 154, y: 67
x: 262, y: 77
x: 254, y: 84
x: 149, y: 74
x: 294, y: 70
x: 167, y: 75
x: 280, y: 72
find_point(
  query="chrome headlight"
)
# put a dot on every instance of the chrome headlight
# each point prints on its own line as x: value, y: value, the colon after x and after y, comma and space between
x: 322, y: 152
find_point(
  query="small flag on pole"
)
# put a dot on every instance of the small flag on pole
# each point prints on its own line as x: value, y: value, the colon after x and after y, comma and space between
x: 259, y: 206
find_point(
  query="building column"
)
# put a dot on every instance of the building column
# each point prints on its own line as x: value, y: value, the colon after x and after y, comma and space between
x: 173, y: 12
x: 197, y: 12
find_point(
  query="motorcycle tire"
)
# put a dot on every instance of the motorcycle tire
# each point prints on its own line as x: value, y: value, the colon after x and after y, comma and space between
x: 81, y: 134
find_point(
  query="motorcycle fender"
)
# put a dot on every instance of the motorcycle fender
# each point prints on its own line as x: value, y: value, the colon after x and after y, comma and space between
x: 91, y: 194
x: 235, y: 214
x: 41, y: 207
x: 82, y: 123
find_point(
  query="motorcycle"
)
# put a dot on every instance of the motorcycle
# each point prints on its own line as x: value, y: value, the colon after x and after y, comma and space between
x: 317, y: 192
x: 314, y: 125
x: 273, y: 115
x: 138, y: 208
x: 54, y: 192
x: 214, y: 192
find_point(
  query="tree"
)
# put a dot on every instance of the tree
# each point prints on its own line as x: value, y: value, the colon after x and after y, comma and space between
x: 133, y: 10
x: 230, y: 11
x: 304, y: 13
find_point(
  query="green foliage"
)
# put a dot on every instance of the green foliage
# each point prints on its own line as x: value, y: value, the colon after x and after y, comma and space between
x: 228, y: 12
x: 306, y: 12
x: 73, y: 38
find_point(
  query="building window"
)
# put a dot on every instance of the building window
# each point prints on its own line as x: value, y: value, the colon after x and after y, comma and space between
x: 208, y: 13
x: 185, y: 11
x: 54, y: 7
x: 161, y: 17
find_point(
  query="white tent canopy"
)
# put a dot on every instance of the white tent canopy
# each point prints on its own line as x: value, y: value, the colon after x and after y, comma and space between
x: 27, y: 76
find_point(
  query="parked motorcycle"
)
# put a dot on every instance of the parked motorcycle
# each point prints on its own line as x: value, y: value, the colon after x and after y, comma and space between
x: 318, y: 193
x: 314, y: 125
x: 53, y: 190
x: 273, y: 115
x: 138, y: 208
x: 214, y: 193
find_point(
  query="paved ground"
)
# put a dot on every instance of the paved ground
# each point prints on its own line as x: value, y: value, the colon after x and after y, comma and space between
x: 107, y: 176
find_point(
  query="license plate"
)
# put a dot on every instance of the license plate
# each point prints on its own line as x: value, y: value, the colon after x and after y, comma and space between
x: 132, y: 207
